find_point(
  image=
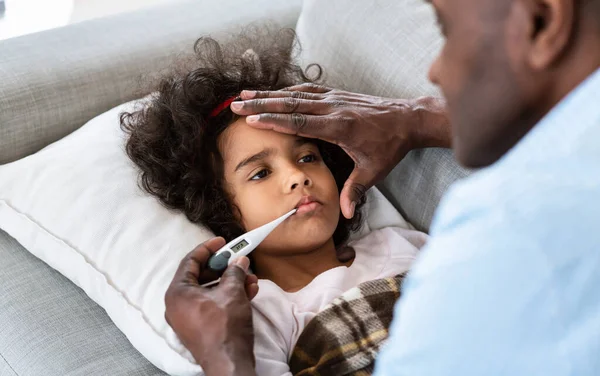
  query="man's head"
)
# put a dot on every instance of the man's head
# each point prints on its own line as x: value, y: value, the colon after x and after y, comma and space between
x: 506, y: 63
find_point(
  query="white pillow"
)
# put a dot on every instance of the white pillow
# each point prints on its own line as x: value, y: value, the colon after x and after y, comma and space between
x: 76, y: 206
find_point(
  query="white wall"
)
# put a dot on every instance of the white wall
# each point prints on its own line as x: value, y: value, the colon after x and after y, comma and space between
x: 87, y: 9
x: 29, y: 16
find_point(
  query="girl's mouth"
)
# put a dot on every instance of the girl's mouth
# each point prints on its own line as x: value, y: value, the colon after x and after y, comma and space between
x: 308, y: 207
x: 307, y: 204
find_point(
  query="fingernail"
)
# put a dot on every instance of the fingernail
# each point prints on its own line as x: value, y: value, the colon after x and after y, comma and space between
x: 237, y: 105
x: 252, y: 119
x: 243, y: 262
x: 352, y: 207
x: 248, y: 94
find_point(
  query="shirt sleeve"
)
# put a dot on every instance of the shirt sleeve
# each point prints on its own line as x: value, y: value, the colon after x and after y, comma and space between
x: 270, y: 349
x: 478, y: 301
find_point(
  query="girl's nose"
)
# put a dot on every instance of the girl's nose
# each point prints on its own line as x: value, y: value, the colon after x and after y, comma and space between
x: 298, y: 179
x: 306, y: 183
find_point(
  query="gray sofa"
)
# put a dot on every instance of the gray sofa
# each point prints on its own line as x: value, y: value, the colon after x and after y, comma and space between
x: 52, y: 82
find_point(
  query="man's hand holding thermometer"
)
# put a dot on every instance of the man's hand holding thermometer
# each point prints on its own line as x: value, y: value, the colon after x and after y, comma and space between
x: 214, y: 324
x: 242, y: 246
x: 222, y: 315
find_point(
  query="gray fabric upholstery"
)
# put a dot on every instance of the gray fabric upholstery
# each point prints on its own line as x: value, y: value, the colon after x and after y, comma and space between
x: 384, y: 47
x: 5, y: 368
x: 53, y: 82
x: 50, y: 84
x: 50, y: 327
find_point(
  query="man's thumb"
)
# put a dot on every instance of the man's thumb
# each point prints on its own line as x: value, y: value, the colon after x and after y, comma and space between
x: 354, y: 189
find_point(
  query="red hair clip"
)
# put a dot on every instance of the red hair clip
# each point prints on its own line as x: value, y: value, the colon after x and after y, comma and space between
x: 222, y: 106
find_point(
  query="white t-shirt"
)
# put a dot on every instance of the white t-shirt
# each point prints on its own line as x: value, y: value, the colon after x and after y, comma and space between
x: 280, y: 317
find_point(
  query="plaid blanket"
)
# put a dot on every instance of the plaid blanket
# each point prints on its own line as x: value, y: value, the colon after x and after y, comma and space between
x: 346, y: 336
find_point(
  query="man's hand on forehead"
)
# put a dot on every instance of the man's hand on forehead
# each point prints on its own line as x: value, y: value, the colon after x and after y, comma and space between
x: 375, y: 132
x: 289, y: 110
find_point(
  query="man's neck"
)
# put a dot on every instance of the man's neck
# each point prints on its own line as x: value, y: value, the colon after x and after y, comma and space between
x: 295, y: 271
x: 582, y: 60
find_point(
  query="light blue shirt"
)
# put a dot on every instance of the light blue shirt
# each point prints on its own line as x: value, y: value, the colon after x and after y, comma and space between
x: 509, y: 283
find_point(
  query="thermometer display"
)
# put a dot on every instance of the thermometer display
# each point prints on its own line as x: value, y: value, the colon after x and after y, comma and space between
x: 239, y: 246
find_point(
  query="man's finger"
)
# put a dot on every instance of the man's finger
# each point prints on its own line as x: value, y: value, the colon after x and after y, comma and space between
x: 252, y: 291
x: 191, y: 266
x: 311, y: 126
x: 308, y: 88
x: 284, y: 105
x: 235, y: 275
x: 355, y: 188
x: 251, y: 286
x: 283, y: 93
x: 251, y: 278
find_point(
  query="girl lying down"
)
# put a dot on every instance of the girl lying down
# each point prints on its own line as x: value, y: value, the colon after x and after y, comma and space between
x: 196, y: 156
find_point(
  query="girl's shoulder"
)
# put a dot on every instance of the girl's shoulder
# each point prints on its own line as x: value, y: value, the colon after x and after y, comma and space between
x: 388, y: 251
x: 390, y: 238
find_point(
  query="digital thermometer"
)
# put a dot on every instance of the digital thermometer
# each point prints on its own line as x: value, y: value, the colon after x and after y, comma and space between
x: 242, y: 245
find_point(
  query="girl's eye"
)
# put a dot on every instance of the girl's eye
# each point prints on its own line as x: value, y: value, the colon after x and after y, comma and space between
x: 260, y: 175
x: 308, y: 158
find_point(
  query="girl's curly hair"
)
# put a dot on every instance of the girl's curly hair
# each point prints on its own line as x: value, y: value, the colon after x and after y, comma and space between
x: 173, y: 140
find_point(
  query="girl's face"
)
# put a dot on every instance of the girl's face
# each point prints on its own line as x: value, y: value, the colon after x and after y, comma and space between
x: 268, y: 174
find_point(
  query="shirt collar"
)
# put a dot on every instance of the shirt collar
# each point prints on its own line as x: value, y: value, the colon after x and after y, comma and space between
x: 561, y: 130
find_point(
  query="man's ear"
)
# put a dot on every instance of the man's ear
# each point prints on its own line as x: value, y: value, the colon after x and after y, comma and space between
x: 552, y: 27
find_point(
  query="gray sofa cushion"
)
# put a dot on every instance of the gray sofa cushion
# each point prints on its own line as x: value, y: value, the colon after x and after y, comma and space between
x: 50, y: 327
x: 6, y: 369
x: 384, y: 48
x: 54, y: 81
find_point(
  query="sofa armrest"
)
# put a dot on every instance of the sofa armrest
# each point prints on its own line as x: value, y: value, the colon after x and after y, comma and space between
x: 52, y: 82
